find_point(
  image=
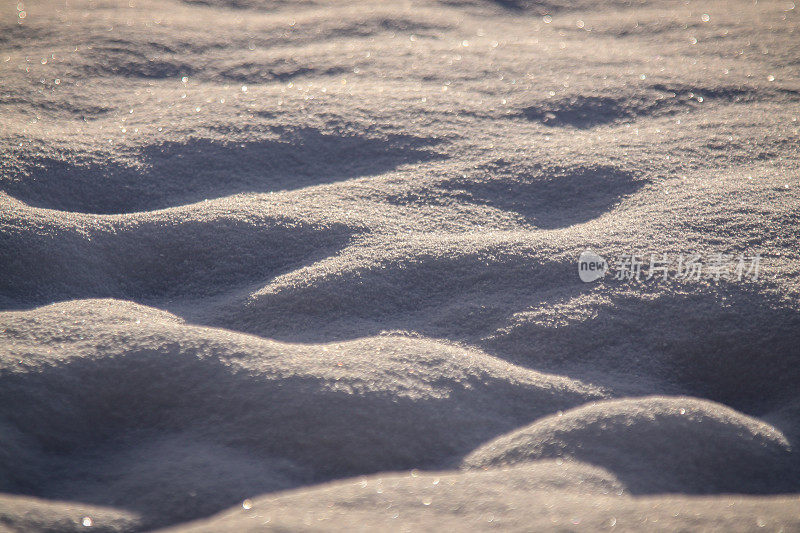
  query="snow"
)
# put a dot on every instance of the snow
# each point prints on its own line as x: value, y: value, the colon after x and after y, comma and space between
x: 313, y: 265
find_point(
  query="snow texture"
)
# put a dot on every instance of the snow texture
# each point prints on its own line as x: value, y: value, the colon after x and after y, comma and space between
x: 312, y: 265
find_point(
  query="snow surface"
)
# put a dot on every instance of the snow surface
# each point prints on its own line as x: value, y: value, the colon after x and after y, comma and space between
x: 312, y: 265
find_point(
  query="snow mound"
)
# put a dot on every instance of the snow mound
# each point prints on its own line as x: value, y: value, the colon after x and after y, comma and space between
x: 540, y: 496
x: 200, y: 417
x: 657, y: 444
